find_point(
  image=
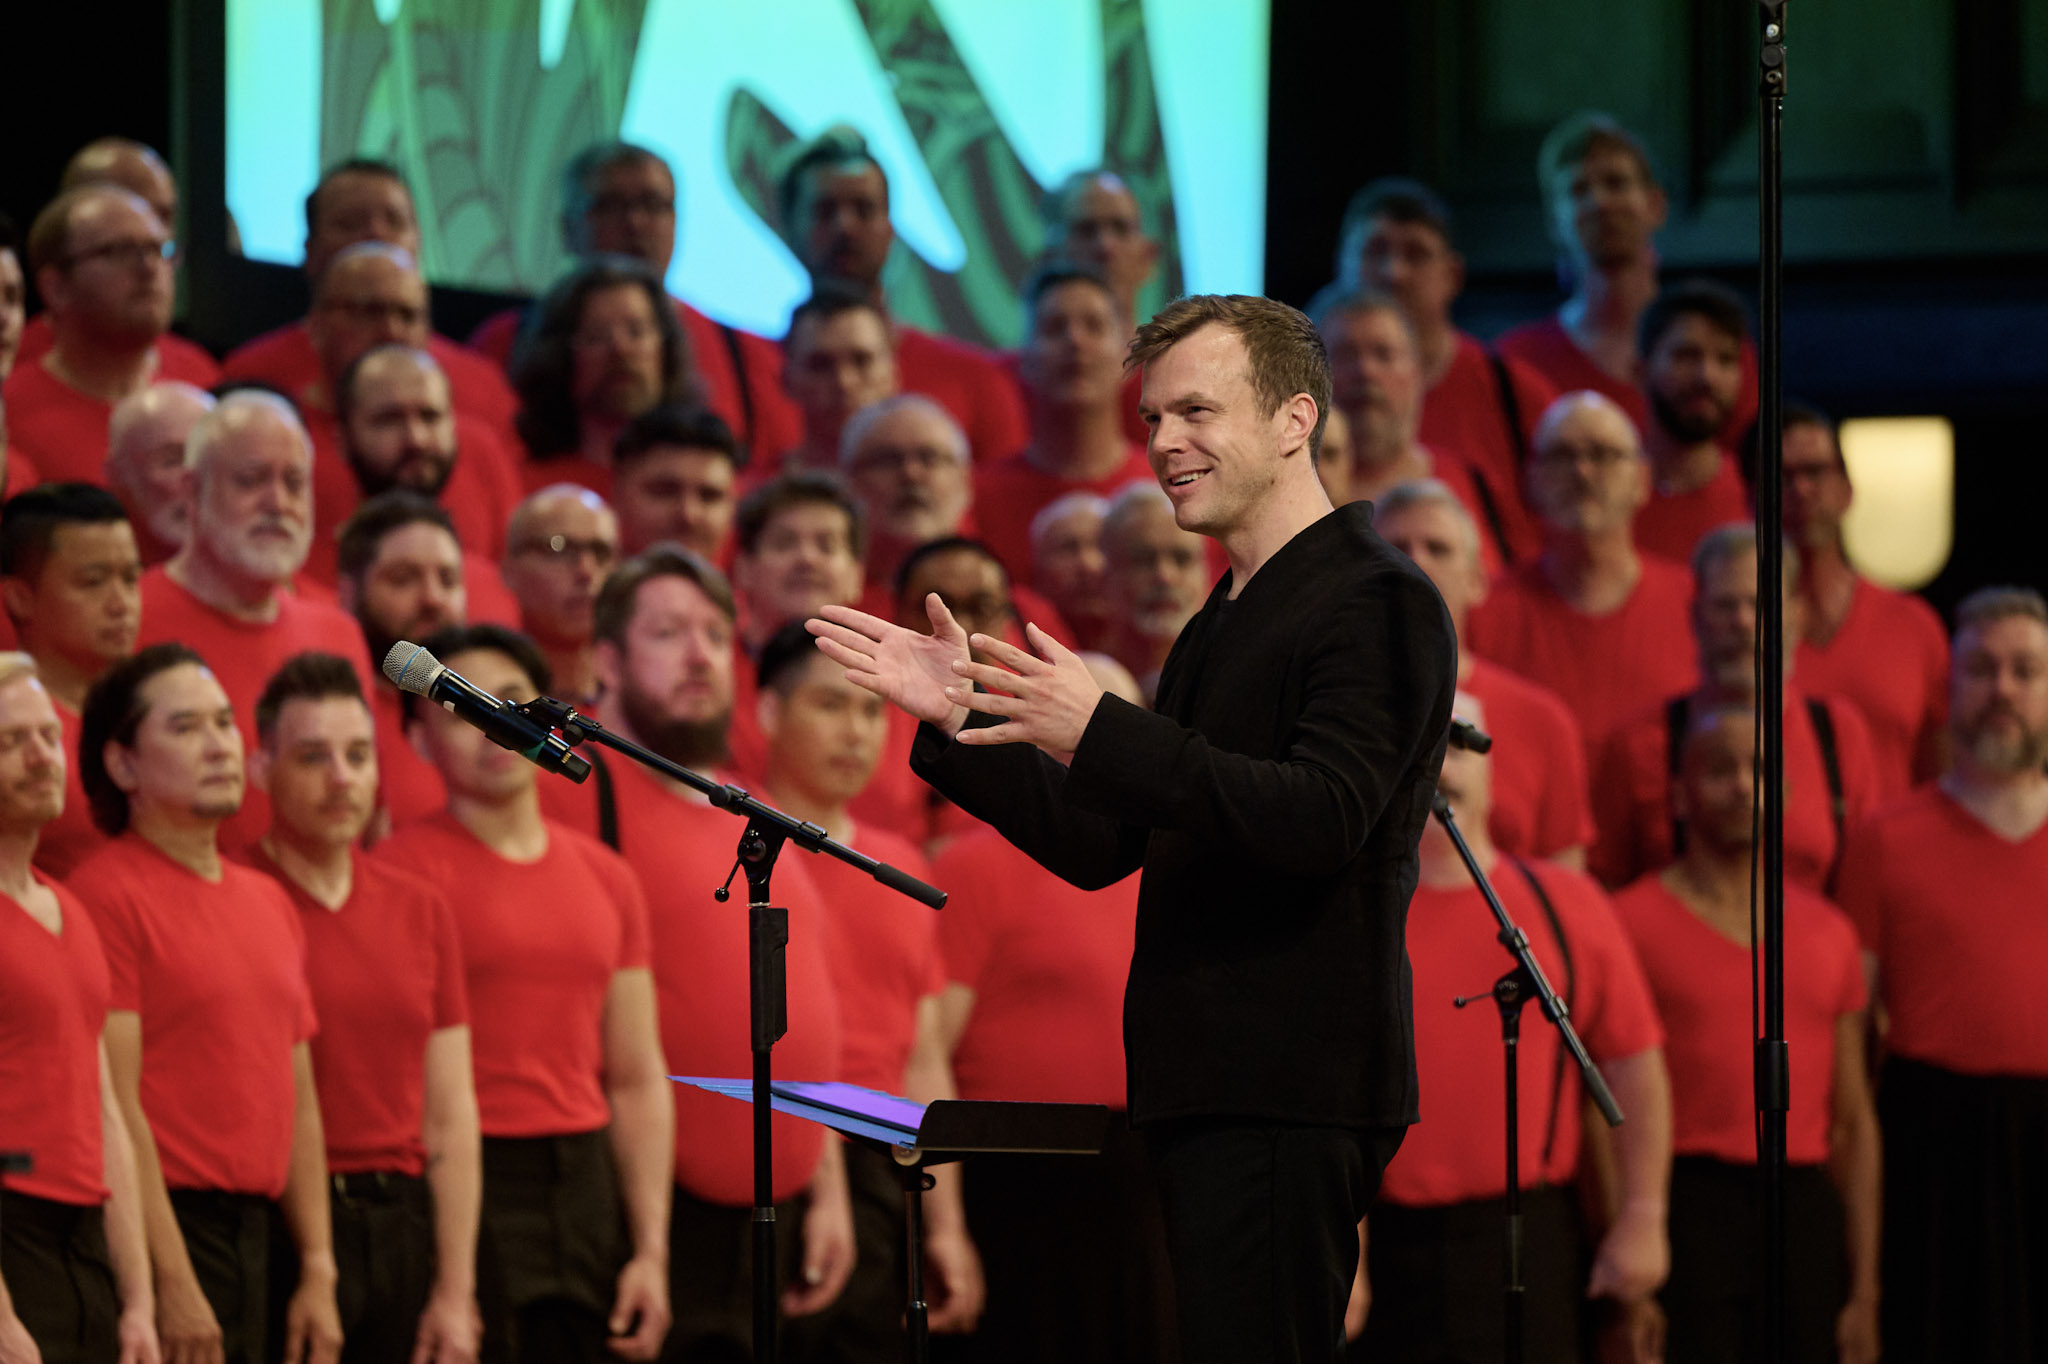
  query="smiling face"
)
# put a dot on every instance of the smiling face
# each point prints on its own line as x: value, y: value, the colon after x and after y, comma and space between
x: 1213, y: 446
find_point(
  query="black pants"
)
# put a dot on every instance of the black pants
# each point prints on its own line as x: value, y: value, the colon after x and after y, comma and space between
x: 246, y: 1266
x: 1437, y: 1275
x: 1074, y: 1249
x: 711, y: 1282
x: 864, y: 1325
x: 384, y: 1249
x: 53, y: 1257
x: 1262, y: 1232
x: 1966, y: 1215
x: 549, y: 1249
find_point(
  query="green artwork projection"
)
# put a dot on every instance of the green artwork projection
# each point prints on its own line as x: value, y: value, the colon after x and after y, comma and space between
x: 973, y: 107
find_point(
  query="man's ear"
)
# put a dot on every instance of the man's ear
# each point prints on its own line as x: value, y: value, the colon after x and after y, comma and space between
x: 15, y: 598
x: 258, y: 767
x: 768, y: 711
x: 608, y: 666
x: 120, y: 765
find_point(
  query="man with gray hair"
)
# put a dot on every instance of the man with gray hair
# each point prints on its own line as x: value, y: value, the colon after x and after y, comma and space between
x: 906, y: 459
x: 145, y: 465
x: 1831, y: 775
x: 1156, y: 576
x: 1068, y: 567
x: 226, y: 593
x: 1945, y: 889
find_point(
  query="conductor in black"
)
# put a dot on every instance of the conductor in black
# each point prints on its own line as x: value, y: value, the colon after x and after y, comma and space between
x: 1274, y: 798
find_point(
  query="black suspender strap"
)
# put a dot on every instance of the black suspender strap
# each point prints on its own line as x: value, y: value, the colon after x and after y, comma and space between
x: 1831, y: 764
x: 1677, y: 716
x: 1510, y: 406
x: 1489, y: 511
x: 1564, y: 952
x: 739, y: 370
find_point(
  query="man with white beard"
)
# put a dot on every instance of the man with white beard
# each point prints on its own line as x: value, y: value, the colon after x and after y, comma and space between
x: 227, y: 592
x: 1157, y: 578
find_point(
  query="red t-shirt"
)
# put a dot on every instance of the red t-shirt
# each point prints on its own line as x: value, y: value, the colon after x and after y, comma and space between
x: 408, y: 786
x: 1548, y: 348
x: 285, y: 360
x: 1604, y: 668
x: 1458, y: 1151
x: 71, y: 837
x: 1506, y: 532
x: 1632, y: 800
x: 216, y: 971
x: 1010, y: 491
x: 1539, y: 765
x: 244, y: 656
x: 20, y: 474
x: 755, y: 386
x: 541, y: 942
x: 53, y: 1008
x: 967, y: 382
x: 37, y: 336
x: 1047, y: 963
x: 1462, y: 414
x: 385, y: 972
x: 1953, y: 912
x: 63, y: 431
x: 883, y: 948
x: 1890, y: 657
x: 1671, y: 526
x: 682, y: 851
x: 1702, y: 983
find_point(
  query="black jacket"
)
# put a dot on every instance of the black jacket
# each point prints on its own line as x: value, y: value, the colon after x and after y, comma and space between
x: 1274, y: 799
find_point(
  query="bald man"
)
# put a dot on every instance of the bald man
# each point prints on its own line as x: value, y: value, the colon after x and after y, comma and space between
x: 227, y: 592
x: 145, y: 464
x: 101, y: 259
x: 560, y: 546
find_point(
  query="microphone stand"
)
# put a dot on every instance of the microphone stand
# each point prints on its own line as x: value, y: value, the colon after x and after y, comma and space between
x: 767, y: 830
x: 1525, y: 982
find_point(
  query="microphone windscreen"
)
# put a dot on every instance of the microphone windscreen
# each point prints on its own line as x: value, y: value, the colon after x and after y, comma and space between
x: 411, y: 668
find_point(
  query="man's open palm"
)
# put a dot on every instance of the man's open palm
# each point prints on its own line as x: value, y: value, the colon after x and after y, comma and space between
x: 909, y: 670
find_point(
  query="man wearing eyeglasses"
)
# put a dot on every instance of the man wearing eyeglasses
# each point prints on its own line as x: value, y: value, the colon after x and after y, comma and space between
x: 102, y: 263
x: 907, y: 461
x: 562, y: 542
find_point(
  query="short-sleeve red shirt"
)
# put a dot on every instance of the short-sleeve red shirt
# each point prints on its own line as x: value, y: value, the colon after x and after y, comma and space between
x: 385, y: 972
x: 408, y: 786
x: 53, y: 1008
x: 1670, y: 525
x: 541, y: 942
x: 1953, y: 912
x: 71, y: 837
x: 63, y: 431
x: 1010, y: 491
x: 1604, y: 668
x: 1458, y: 1152
x: 182, y: 357
x: 1047, y: 963
x: 1702, y: 983
x: 216, y: 972
x: 1632, y: 793
x: 969, y: 383
x: 1540, y: 804
x: 681, y: 851
x: 1462, y: 414
x: 1890, y: 657
x: 1548, y: 348
x: 883, y: 949
x: 243, y: 656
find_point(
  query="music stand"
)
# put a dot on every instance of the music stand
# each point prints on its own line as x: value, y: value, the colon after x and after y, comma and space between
x: 915, y: 1135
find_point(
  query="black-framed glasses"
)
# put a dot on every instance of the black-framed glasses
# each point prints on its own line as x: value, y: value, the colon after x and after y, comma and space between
x: 128, y: 254
x: 560, y: 548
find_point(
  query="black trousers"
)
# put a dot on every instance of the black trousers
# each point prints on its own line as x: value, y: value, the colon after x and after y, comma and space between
x: 1262, y: 1232
x: 711, y: 1282
x: 1074, y: 1249
x: 53, y: 1257
x: 550, y: 1246
x: 1966, y: 1215
x: 246, y: 1265
x: 384, y: 1249
x: 1437, y: 1275
x: 864, y: 1325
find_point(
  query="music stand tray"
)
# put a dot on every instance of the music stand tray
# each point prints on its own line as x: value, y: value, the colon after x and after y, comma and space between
x: 915, y: 1135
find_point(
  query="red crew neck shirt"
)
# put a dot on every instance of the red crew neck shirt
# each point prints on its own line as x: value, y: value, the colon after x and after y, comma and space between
x: 53, y: 1007
x: 1540, y: 805
x: 216, y: 971
x: 1546, y: 347
x: 408, y: 786
x: 1670, y: 525
x: 1604, y: 668
x: 1047, y: 962
x: 883, y: 949
x: 71, y: 837
x: 1953, y: 912
x: 1010, y: 491
x: 385, y: 973
x: 540, y: 942
x: 969, y: 383
x: 1701, y: 981
x: 682, y: 850
x: 1891, y: 657
x: 64, y: 432
x: 1458, y: 1152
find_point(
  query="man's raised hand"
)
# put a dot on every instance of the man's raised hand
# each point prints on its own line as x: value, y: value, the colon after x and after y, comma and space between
x: 1045, y: 699
x: 906, y: 669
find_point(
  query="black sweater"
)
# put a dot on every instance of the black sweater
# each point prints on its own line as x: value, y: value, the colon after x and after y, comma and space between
x: 1274, y: 799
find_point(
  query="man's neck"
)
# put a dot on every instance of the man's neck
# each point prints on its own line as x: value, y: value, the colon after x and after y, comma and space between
x: 223, y: 588
x: 65, y: 679
x: 1827, y: 584
x: 1295, y: 504
x: 1376, y: 470
x: 512, y: 828
x: 1436, y: 344
x: 792, y: 797
x: 596, y: 437
x: 1604, y: 312
x: 1595, y: 574
x: 574, y: 670
x: 1442, y: 868
x: 325, y: 871
x: 1076, y: 442
x: 17, y: 851
x: 818, y: 451
x: 1677, y: 468
x: 191, y: 842
x: 1715, y: 884
x: 98, y: 370
x: 2013, y: 804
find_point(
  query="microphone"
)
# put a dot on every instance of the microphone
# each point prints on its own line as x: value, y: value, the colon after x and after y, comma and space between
x: 411, y: 668
x: 1464, y: 734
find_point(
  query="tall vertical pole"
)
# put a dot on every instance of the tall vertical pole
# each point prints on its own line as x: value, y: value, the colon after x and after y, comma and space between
x: 1773, y: 1065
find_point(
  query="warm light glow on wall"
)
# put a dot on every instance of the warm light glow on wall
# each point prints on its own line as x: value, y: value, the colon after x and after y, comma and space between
x: 1902, y: 524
